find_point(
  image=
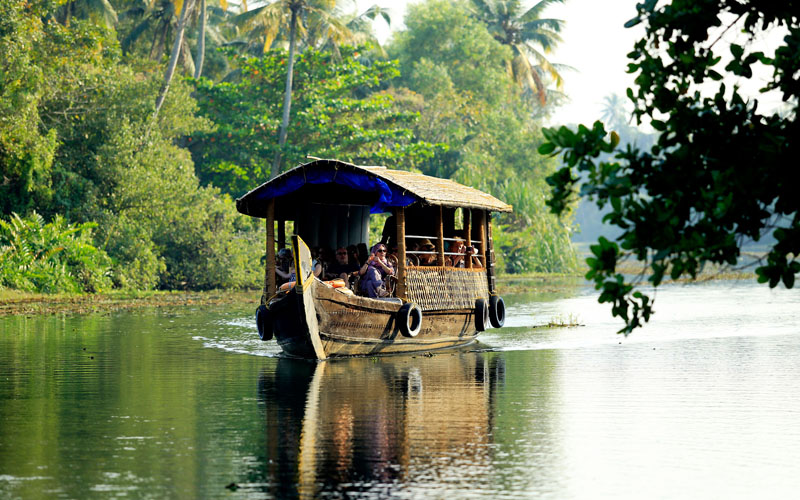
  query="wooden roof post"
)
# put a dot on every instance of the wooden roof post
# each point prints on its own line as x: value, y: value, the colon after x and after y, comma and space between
x: 270, y: 286
x: 482, y: 234
x: 440, y: 236
x: 489, y: 253
x: 281, y: 234
x: 400, y: 217
x: 468, y: 235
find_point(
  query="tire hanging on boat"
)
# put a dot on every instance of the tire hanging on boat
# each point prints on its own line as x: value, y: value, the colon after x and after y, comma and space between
x: 497, y: 311
x: 409, y: 319
x: 264, y: 322
x: 481, y: 314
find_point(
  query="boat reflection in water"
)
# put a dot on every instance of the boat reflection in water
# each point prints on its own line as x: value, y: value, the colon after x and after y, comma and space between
x: 376, y: 425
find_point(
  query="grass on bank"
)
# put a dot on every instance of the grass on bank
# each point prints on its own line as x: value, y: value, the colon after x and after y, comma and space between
x: 14, y: 302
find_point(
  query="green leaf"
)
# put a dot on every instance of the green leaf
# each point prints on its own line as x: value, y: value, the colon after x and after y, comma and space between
x: 658, y: 125
x: 547, y: 148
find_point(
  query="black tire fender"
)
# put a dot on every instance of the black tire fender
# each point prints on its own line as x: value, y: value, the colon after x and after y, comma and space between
x: 409, y: 319
x: 497, y: 311
x: 264, y: 322
x: 481, y: 314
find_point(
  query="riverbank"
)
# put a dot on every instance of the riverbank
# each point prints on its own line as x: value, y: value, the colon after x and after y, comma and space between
x: 14, y: 302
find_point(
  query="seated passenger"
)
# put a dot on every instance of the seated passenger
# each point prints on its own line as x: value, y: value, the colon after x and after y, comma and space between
x: 459, y: 247
x: 375, y: 271
x: 316, y: 262
x: 363, y: 254
x: 429, y: 257
x: 343, y: 267
x: 352, y: 255
x: 285, y: 267
x: 389, y: 233
x: 473, y: 253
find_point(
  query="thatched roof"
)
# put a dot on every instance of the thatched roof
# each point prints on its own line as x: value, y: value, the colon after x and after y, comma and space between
x: 387, y: 188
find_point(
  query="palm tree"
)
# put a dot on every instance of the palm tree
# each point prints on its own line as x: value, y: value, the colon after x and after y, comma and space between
x: 614, y: 110
x: 186, y: 7
x: 203, y: 29
x: 268, y: 21
x: 359, y: 29
x: 270, y: 24
x: 529, y: 35
x: 87, y: 9
x: 158, y: 17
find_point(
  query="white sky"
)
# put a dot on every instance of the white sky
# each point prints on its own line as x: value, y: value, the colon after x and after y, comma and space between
x: 595, y: 44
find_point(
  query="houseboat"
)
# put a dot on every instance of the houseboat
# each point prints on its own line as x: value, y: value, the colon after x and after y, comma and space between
x: 435, y: 261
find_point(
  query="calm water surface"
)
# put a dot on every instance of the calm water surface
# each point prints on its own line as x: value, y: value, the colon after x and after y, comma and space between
x: 186, y: 403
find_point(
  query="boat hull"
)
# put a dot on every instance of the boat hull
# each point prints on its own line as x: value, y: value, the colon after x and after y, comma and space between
x: 348, y: 325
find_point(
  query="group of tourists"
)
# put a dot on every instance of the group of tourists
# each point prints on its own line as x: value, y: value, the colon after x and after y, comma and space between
x: 373, y: 271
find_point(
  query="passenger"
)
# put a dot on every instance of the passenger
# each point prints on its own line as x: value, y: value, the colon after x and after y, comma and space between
x: 316, y: 262
x: 392, y: 257
x: 459, y: 247
x: 363, y: 254
x: 343, y: 267
x: 473, y: 253
x: 429, y: 257
x: 352, y: 255
x: 375, y: 271
x: 412, y: 259
x: 285, y: 266
x: 389, y: 233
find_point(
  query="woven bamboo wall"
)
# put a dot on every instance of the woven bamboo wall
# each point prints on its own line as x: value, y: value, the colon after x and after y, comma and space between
x: 437, y: 288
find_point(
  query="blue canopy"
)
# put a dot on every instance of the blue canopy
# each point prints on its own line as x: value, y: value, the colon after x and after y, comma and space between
x: 360, y: 180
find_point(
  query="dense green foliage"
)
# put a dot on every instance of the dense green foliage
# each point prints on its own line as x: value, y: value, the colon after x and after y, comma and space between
x: 723, y: 171
x: 76, y: 140
x: 459, y: 82
x: 82, y: 145
x: 54, y: 257
x: 337, y: 112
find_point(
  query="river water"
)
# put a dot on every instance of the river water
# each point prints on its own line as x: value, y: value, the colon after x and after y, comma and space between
x: 186, y: 403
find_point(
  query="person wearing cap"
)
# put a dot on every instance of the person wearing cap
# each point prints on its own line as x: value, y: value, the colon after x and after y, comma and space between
x: 428, y: 258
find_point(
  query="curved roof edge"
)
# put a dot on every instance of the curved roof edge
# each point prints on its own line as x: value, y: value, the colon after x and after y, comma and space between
x: 395, y: 188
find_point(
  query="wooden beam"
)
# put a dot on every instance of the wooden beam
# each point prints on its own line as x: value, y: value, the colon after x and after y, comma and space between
x: 440, y: 236
x: 400, y: 217
x: 490, y: 271
x: 482, y: 232
x: 468, y: 236
x: 270, y: 287
x: 281, y: 234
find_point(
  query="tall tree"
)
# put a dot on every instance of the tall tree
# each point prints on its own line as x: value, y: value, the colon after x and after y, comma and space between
x: 529, y: 35
x: 202, y: 30
x: 186, y: 7
x: 295, y: 7
x: 99, y: 10
x: 339, y: 112
x: 269, y: 20
x: 723, y: 171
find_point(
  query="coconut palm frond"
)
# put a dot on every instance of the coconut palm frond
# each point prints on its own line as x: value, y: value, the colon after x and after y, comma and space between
x: 547, y: 40
x: 545, y: 66
x: 135, y: 34
x: 376, y: 11
x: 526, y: 75
x: 537, y: 9
x: 548, y: 24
